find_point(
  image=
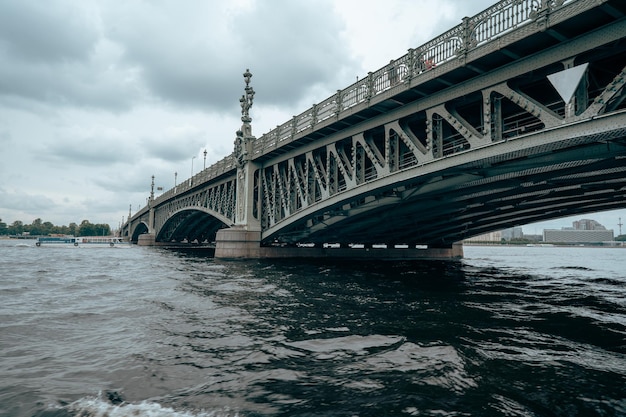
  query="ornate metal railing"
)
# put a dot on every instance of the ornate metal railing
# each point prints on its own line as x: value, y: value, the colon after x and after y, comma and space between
x: 473, y: 32
x: 219, y: 168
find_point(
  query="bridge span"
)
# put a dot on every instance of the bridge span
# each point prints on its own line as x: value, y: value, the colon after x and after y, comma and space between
x: 516, y: 115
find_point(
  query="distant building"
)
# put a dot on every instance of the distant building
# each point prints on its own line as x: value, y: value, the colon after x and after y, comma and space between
x: 577, y: 236
x: 513, y: 233
x: 487, y: 237
x: 534, y: 238
x: 582, y: 231
x: 587, y: 224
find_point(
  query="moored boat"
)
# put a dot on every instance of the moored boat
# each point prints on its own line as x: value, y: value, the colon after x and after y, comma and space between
x: 82, y: 241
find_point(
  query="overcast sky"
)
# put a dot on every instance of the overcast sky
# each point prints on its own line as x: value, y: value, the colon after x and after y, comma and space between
x: 97, y: 96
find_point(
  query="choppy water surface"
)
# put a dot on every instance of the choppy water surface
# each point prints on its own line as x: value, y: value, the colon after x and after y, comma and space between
x: 530, y: 331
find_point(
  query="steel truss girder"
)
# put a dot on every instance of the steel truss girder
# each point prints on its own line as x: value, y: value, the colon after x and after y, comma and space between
x: 349, y: 164
x: 174, y: 216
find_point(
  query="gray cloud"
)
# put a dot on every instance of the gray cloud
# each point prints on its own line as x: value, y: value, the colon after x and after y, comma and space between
x: 174, y: 146
x: 288, y: 45
x: 90, y: 55
x: 82, y: 84
x: 54, y: 52
x: 301, y: 51
x: 78, y: 148
x: 37, y: 32
x: 5, y: 137
x: 30, y: 203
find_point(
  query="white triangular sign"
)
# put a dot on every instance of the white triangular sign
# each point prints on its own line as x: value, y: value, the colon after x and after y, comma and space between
x: 565, y: 82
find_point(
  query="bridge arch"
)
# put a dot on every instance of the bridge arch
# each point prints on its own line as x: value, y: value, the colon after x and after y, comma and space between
x: 140, y: 229
x: 192, y: 224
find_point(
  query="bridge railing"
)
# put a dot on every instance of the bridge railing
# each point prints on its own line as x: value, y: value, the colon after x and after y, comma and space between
x: 221, y: 167
x: 492, y: 23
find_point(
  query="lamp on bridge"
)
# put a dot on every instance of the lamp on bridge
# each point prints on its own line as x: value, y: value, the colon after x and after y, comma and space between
x: 244, y: 142
x: 246, y: 101
x: 191, y: 177
x: 204, y: 166
x: 152, y: 189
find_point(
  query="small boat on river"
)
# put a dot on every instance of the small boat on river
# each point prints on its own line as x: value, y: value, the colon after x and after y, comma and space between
x: 82, y: 242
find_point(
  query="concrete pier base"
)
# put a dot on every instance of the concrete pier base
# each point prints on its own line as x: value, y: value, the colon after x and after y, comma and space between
x: 238, y: 243
x: 146, y: 239
x: 243, y: 244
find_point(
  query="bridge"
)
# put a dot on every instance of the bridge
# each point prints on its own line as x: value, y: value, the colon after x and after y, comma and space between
x: 514, y: 116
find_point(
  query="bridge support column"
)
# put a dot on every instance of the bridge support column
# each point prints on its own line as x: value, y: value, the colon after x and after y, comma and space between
x: 146, y: 239
x: 238, y: 242
x: 453, y: 252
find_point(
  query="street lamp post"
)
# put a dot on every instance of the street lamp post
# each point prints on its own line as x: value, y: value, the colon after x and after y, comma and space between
x: 246, y: 100
x: 245, y: 198
x: 152, y: 189
x: 175, y: 176
x: 190, y: 178
x: 204, y: 166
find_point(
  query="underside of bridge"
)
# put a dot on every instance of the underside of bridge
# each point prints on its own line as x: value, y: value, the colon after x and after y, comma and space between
x: 192, y: 226
x: 139, y: 230
x: 469, y: 199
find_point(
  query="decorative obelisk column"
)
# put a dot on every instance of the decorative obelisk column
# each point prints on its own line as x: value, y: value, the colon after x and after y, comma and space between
x: 148, y: 239
x: 244, y: 238
x: 244, y: 143
x: 151, y: 207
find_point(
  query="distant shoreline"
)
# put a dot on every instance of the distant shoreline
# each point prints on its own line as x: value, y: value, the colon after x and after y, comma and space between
x: 615, y: 244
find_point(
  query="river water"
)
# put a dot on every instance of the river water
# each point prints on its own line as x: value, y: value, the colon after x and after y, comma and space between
x: 527, y: 331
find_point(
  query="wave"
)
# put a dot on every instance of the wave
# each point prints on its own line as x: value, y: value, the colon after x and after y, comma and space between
x: 115, y: 406
x: 575, y: 268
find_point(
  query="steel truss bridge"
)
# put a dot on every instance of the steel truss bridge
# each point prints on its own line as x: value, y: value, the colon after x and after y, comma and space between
x: 514, y: 116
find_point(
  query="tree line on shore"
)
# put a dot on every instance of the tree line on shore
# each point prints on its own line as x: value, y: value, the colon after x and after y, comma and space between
x: 41, y: 228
